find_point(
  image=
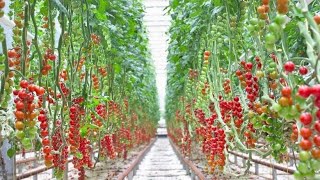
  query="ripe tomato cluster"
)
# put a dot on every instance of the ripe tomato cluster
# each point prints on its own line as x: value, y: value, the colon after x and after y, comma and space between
x: 263, y: 10
x: 61, y: 150
x: 205, y: 88
x: 64, y: 75
x: 249, y: 81
x: 122, y: 142
x: 95, y: 81
x: 226, y: 86
x: 231, y: 110
x: 80, y: 63
x: 14, y: 56
x: 48, y: 56
x: 95, y: 39
x: 43, y: 119
x: 103, y: 71
x: 74, y: 132
x: 204, y: 84
x: 212, y: 140
x: 283, y: 6
x: 25, y: 112
x: 206, y: 57
x: 84, y: 159
x: 64, y: 90
x: 310, y: 130
x: 108, y: 149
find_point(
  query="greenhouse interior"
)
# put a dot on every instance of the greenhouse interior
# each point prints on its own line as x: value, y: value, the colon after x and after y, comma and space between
x: 159, y: 89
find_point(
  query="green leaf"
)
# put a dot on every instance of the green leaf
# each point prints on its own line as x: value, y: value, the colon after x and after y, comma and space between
x: 117, y: 68
x: 78, y: 155
x: 83, y: 131
x: 38, y: 146
x: 11, y: 152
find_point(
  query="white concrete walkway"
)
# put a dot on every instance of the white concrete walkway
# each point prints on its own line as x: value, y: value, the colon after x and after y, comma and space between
x: 161, y: 163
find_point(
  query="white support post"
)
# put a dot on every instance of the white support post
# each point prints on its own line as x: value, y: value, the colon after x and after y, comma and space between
x: 9, y: 163
x: 256, y: 168
x: 274, y: 174
x: 243, y: 162
x: 35, y: 177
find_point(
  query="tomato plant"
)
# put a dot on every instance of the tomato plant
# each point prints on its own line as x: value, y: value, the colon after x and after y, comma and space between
x: 259, y: 83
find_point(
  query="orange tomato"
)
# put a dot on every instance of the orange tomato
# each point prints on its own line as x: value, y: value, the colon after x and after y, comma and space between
x: 19, y: 125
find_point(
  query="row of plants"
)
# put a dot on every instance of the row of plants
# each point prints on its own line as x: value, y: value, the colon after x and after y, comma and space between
x: 84, y: 82
x: 243, y: 76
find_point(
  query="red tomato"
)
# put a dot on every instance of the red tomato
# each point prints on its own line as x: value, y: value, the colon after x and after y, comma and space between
x: 286, y: 91
x: 305, y: 132
x: 305, y: 144
x: 24, y: 83
x: 306, y: 118
x: 207, y: 53
x: 289, y: 66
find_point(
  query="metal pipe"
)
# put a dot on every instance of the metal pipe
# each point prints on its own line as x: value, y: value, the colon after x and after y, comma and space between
x: 34, y: 171
x: 26, y: 160
x: 265, y: 163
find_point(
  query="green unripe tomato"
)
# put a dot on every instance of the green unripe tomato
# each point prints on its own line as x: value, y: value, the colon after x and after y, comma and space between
x: 4, y: 104
x: 304, y: 155
x: 10, y: 81
x: 298, y: 176
x: 6, y: 85
x: 32, y: 130
x: 265, y: 128
x: 26, y: 142
x: 9, y: 91
x: 303, y: 168
x: 277, y: 147
x: 274, y: 28
x: 2, y: 58
x: 7, y: 97
x: 257, y: 28
x: 274, y: 75
x: 261, y: 23
x: 243, y: 4
x: 280, y: 19
x: 271, y: 38
x: 269, y: 47
x: 250, y: 27
x: 310, y: 175
x: 2, y: 67
x: 20, y: 135
x: 2, y: 37
x: 315, y: 164
x: 254, y: 21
